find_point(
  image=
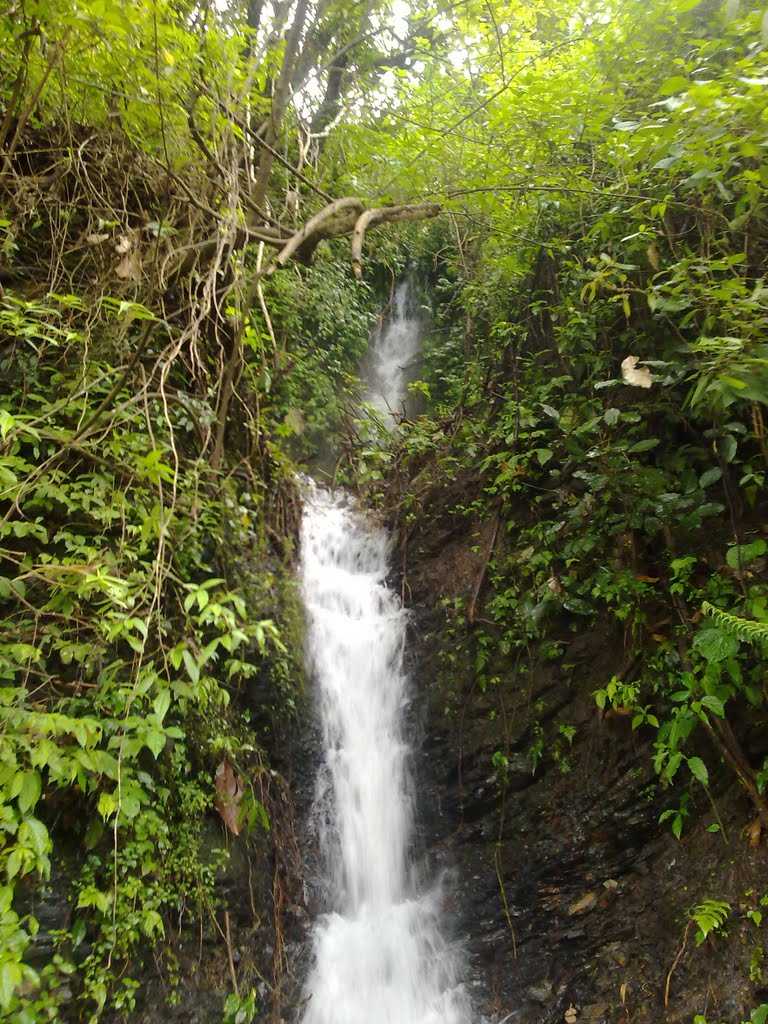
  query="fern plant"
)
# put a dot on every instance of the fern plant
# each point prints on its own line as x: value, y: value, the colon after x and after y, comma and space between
x: 736, y: 626
x: 709, y: 916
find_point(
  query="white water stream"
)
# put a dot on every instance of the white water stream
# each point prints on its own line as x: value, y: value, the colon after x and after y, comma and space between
x: 394, y: 347
x: 379, y: 954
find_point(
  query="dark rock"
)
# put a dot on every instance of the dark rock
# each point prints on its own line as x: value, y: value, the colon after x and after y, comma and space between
x: 542, y: 992
x: 529, y: 851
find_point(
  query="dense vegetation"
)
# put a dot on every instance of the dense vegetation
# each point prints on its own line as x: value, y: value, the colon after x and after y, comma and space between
x: 604, y: 383
x: 595, y: 376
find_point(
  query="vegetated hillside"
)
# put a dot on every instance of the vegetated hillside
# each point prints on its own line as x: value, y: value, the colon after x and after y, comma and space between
x: 155, y: 395
x: 583, y: 517
x: 595, y: 380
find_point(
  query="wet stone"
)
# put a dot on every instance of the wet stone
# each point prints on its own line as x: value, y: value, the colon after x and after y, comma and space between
x: 541, y: 992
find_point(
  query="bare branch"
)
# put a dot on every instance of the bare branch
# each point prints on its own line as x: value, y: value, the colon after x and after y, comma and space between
x: 382, y: 215
x: 335, y: 216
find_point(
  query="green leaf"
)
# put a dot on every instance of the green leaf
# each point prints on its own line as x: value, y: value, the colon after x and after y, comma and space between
x: 155, y: 740
x: 745, y: 553
x: 93, y: 897
x: 31, y: 788
x: 727, y: 447
x: 714, y: 645
x: 709, y: 508
x: 7, y: 423
x: 176, y: 655
x: 193, y: 670
x: 672, y: 85
x: 10, y: 979
x: 710, y: 476
x: 34, y: 834
x: 161, y: 704
x: 14, y: 863
x: 713, y: 704
x: 699, y: 770
x: 643, y: 446
x: 107, y: 805
x: 672, y: 765
x: 129, y: 805
x: 152, y: 924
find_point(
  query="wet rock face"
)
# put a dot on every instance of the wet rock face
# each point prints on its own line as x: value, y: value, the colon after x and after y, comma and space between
x: 47, y: 902
x: 192, y: 980
x: 572, y: 900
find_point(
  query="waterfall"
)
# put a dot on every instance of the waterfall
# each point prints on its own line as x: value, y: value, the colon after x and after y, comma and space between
x: 393, y: 350
x: 379, y: 954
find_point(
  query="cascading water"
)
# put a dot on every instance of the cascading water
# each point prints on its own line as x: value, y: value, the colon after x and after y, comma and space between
x: 379, y: 955
x: 393, y: 350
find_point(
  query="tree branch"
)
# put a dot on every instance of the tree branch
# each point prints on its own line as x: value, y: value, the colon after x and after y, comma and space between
x: 335, y: 215
x: 343, y: 217
x: 388, y: 215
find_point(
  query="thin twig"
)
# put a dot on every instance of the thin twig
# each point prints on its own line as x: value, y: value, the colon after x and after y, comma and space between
x: 675, y: 963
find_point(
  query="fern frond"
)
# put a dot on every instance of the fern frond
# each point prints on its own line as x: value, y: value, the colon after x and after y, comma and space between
x: 734, y: 625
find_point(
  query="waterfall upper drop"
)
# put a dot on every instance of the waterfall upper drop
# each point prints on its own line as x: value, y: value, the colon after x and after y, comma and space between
x: 380, y: 957
x: 394, y: 348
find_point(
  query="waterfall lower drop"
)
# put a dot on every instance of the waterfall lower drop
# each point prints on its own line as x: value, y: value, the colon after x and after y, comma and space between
x: 379, y: 954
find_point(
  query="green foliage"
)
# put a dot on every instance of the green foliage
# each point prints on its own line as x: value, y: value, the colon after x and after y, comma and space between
x: 709, y: 917
x: 596, y: 373
x: 123, y: 650
x: 737, y: 627
x: 758, y: 1016
x: 597, y: 365
x: 240, y: 1009
x: 148, y: 502
x: 676, y: 816
x: 324, y: 320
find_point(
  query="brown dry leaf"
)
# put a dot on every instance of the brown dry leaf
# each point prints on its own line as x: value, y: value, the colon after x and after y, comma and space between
x: 229, y: 793
x: 129, y: 267
x: 124, y: 245
x: 96, y: 239
x: 570, y: 1015
x: 623, y: 993
x: 637, y: 377
x: 584, y: 904
x: 652, y: 252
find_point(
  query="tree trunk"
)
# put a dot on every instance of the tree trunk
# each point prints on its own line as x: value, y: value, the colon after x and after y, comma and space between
x: 280, y: 99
